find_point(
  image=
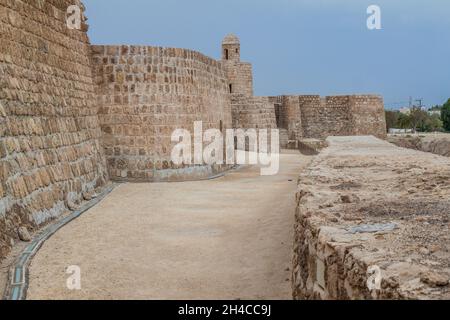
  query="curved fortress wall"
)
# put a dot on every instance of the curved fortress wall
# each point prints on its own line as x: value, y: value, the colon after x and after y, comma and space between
x: 50, y: 155
x: 144, y: 94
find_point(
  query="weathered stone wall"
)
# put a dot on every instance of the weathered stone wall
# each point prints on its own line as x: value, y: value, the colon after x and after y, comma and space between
x: 313, y: 117
x: 240, y: 77
x: 253, y: 112
x: 372, y: 222
x: 368, y: 116
x: 303, y: 117
x: 50, y: 155
x: 144, y: 94
x: 325, y: 117
x: 311, y: 110
x: 291, y: 117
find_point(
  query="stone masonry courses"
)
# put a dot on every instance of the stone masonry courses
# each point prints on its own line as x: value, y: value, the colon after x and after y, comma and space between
x: 76, y: 116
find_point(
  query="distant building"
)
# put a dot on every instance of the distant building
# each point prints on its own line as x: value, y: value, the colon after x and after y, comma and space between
x: 400, y: 131
x: 434, y: 112
x: 405, y: 110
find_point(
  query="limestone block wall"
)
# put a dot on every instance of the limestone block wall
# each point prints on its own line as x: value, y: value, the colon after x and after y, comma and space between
x: 144, y: 94
x: 253, y: 112
x: 368, y: 116
x: 325, y: 117
x: 342, y: 116
x: 231, y: 50
x: 291, y: 115
x: 240, y: 77
x: 311, y: 112
x: 50, y: 155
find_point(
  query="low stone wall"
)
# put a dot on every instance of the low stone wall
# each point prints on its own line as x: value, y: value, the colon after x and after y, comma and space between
x: 372, y: 222
x: 437, y: 144
x: 310, y: 147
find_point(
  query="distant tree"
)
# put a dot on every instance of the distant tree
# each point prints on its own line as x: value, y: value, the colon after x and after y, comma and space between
x: 445, y: 115
x: 404, y: 121
x: 418, y: 117
x: 436, y: 123
x: 436, y: 108
x: 392, y: 119
x: 433, y: 123
x: 417, y: 120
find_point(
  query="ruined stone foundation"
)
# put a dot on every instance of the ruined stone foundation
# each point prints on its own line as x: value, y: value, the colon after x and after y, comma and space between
x: 372, y: 222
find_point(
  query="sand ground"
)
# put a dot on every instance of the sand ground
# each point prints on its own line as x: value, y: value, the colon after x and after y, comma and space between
x: 228, y: 238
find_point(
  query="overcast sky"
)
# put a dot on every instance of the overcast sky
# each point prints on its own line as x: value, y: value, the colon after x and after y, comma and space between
x: 300, y: 46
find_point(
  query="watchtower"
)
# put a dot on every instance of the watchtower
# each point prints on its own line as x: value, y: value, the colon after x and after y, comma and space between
x: 231, y: 48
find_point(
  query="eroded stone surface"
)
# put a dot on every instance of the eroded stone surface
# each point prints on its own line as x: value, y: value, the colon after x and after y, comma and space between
x: 434, y: 143
x: 49, y: 128
x: 395, y: 186
x: 145, y: 94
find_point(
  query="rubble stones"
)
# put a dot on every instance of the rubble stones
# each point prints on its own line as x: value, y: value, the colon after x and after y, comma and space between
x: 24, y: 235
x: 434, y: 279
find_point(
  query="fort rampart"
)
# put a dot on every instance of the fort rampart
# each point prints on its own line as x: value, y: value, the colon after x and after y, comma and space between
x: 144, y: 95
x: 75, y: 116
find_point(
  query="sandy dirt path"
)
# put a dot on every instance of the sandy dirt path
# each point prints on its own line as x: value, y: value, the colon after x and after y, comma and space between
x: 228, y: 238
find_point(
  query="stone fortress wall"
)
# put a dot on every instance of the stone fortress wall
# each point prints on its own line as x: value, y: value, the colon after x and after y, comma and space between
x: 75, y: 116
x: 298, y: 116
x: 145, y: 94
x: 239, y: 74
x: 51, y: 158
x: 314, y: 117
x: 252, y: 112
x: 248, y: 111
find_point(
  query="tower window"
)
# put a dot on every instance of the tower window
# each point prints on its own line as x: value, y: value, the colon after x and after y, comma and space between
x: 226, y: 54
x: 231, y: 88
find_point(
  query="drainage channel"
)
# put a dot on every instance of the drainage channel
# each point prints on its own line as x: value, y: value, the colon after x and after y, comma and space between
x: 18, y: 277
